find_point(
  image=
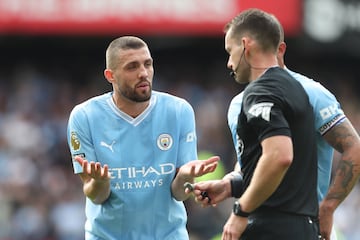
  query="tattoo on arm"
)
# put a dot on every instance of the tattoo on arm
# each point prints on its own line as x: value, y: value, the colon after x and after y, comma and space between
x: 343, y: 138
x: 345, y: 169
x: 344, y: 174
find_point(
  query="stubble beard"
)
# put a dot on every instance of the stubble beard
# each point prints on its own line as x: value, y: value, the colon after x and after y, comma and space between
x: 135, y: 96
x: 243, y: 77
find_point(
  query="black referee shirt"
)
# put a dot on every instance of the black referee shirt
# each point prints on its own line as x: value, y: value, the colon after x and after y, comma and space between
x: 276, y: 104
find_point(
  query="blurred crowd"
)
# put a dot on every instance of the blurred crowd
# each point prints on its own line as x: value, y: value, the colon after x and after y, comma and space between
x: 41, y: 198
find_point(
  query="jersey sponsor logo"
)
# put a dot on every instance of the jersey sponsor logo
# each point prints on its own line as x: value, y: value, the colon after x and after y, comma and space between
x: 131, y: 185
x: 261, y: 109
x: 132, y: 178
x: 329, y: 111
x: 109, y: 146
x: 142, y: 172
x: 74, y: 141
x: 164, y: 141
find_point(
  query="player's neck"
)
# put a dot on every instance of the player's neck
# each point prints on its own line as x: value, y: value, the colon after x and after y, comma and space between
x: 129, y: 107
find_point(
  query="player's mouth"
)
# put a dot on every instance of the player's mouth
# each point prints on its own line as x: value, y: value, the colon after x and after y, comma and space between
x: 143, y: 86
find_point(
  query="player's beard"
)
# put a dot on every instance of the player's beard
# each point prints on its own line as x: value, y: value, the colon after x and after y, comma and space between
x: 136, y: 95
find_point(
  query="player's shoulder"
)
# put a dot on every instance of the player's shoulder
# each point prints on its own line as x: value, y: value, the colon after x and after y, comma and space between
x: 311, y: 86
x: 167, y: 98
x: 306, y: 81
x: 92, y: 103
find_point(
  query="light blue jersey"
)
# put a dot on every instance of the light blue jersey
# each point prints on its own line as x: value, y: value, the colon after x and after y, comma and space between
x: 143, y: 154
x: 328, y: 113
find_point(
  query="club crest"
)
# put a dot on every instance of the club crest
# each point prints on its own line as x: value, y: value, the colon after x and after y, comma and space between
x: 164, y: 142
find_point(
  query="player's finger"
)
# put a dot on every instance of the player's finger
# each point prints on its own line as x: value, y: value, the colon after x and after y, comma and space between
x: 201, y: 168
x: 79, y: 159
x: 98, y: 167
x: 105, y: 171
x: 211, y: 167
x: 92, y: 167
x: 212, y: 159
x: 85, y: 166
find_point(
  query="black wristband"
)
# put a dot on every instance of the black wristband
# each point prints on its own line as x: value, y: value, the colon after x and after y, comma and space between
x: 238, y: 211
x: 237, y: 184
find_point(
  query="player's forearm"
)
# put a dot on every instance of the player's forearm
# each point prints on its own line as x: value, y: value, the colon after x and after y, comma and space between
x: 97, y: 191
x: 177, y: 187
x: 346, y: 176
x: 344, y: 139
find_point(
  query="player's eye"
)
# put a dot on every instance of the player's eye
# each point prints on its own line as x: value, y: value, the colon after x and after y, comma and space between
x: 148, y: 63
x: 132, y: 66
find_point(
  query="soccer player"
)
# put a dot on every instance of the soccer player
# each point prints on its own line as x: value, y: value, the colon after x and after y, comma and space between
x: 134, y: 148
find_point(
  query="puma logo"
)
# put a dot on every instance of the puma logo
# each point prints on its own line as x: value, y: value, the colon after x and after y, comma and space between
x: 109, y: 146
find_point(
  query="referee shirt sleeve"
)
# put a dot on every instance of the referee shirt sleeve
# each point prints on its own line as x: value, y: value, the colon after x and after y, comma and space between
x: 264, y: 114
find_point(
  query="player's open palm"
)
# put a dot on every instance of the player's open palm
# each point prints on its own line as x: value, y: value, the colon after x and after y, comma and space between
x: 94, y: 169
x: 197, y: 168
x: 96, y: 180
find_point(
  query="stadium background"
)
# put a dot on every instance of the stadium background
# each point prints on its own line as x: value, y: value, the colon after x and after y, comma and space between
x: 52, y: 57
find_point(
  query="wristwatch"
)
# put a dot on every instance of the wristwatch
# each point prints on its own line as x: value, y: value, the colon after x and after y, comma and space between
x: 238, y: 212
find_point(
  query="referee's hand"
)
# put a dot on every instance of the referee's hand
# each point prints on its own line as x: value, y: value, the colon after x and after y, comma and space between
x: 212, y: 192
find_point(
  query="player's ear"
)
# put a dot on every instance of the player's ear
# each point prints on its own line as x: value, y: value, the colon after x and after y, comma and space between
x: 109, y: 75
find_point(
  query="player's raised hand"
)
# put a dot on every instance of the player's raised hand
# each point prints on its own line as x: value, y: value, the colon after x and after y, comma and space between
x: 96, y: 180
x: 197, y: 168
x: 188, y: 172
x: 94, y: 169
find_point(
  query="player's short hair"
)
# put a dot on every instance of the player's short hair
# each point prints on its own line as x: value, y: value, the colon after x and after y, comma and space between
x: 259, y: 25
x: 121, y: 43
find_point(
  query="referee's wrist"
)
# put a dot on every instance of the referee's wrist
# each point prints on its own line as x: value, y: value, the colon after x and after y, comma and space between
x: 237, y: 210
x: 237, y: 184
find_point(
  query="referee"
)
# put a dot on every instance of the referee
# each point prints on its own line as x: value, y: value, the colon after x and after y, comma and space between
x: 276, y: 138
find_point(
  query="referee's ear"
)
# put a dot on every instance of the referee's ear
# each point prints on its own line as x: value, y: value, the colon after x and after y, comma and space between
x: 281, y: 53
